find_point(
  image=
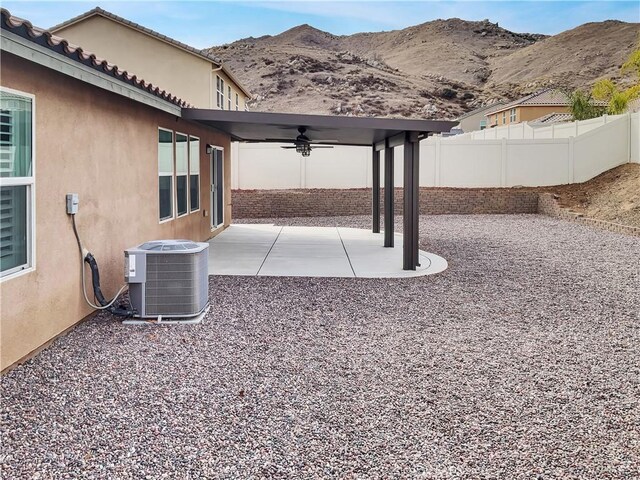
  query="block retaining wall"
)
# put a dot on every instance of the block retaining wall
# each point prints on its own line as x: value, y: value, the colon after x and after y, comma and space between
x: 433, y: 201
x: 337, y: 202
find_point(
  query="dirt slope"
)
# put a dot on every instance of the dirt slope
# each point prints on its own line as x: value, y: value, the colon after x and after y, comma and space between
x: 613, y: 195
x: 438, y: 69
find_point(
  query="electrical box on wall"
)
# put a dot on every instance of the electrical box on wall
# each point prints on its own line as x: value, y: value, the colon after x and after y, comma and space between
x: 73, y: 201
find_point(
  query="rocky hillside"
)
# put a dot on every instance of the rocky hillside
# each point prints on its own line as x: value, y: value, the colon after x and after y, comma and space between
x: 438, y: 69
x: 573, y: 58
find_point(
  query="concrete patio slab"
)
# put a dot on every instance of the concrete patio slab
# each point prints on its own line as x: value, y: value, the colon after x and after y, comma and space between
x: 282, y: 251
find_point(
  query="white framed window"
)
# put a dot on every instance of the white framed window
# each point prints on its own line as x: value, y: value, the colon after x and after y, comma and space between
x: 237, y: 102
x: 194, y: 174
x: 229, y: 98
x: 219, y: 92
x: 182, y: 174
x: 512, y: 115
x: 17, y: 183
x: 165, y: 174
x: 504, y: 117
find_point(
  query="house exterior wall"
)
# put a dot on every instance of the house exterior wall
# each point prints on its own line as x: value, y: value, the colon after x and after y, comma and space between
x: 188, y: 76
x: 474, y: 122
x: 524, y: 113
x: 105, y: 148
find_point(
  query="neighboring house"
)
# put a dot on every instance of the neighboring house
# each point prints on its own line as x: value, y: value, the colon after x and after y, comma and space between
x: 193, y: 75
x: 476, y: 119
x: 72, y: 123
x: 529, y: 108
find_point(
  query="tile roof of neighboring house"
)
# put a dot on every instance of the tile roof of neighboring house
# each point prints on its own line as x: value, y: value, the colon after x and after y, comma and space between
x: 479, y: 110
x: 548, y: 96
x: 552, y: 118
x: 194, y: 51
x: 44, y: 38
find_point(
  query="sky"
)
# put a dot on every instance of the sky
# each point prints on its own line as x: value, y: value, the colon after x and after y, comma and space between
x: 207, y: 23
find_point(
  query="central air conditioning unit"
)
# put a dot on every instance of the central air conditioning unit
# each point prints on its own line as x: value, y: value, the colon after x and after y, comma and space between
x: 168, y: 278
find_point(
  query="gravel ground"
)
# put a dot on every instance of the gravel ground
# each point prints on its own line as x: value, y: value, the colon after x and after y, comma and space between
x: 521, y: 361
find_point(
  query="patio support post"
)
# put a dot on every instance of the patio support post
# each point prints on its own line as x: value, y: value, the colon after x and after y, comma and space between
x: 411, y: 213
x: 375, y: 190
x: 388, y: 195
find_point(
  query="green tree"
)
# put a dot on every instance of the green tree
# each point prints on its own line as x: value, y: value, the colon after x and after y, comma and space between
x: 581, y: 106
x: 633, y: 62
x: 618, y: 99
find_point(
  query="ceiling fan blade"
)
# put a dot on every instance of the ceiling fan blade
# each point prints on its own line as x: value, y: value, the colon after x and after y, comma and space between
x: 313, y: 147
x: 288, y: 147
x: 324, y: 141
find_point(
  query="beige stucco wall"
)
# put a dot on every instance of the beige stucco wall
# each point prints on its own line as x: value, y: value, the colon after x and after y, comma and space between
x: 184, y: 74
x: 527, y: 113
x: 103, y: 147
x: 472, y: 122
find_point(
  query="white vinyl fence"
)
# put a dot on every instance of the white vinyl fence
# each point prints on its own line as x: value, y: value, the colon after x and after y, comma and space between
x: 553, y: 157
x: 523, y: 130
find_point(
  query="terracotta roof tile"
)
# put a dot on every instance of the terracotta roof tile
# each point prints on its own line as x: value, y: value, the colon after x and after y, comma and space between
x: 26, y: 30
x: 547, y: 97
x: 479, y: 109
x: 552, y: 118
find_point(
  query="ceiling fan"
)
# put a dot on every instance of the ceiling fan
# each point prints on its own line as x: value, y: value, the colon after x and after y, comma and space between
x: 303, y: 145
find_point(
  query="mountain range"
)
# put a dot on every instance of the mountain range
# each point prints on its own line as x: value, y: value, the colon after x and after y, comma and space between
x: 437, y: 69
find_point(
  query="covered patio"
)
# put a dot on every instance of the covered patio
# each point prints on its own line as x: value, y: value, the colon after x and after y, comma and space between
x: 381, y: 134
x: 310, y: 251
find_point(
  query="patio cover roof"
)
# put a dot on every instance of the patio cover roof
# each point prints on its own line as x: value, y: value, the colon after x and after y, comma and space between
x: 327, y: 129
x: 378, y: 133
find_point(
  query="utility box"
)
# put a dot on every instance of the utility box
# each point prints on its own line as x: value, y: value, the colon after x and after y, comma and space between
x: 73, y: 200
x: 168, y: 278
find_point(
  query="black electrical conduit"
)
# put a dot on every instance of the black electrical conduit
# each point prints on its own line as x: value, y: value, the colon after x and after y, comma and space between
x: 108, y: 305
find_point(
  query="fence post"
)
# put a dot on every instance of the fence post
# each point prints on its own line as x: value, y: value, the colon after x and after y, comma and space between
x: 503, y: 162
x: 605, y: 118
x: 553, y: 130
x: 571, y: 162
x: 575, y: 123
x: 436, y: 179
x: 629, y: 135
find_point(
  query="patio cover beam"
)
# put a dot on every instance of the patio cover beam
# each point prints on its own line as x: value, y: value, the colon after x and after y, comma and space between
x: 411, y: 214
x: 375, y: 190
x: 388, y: 196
